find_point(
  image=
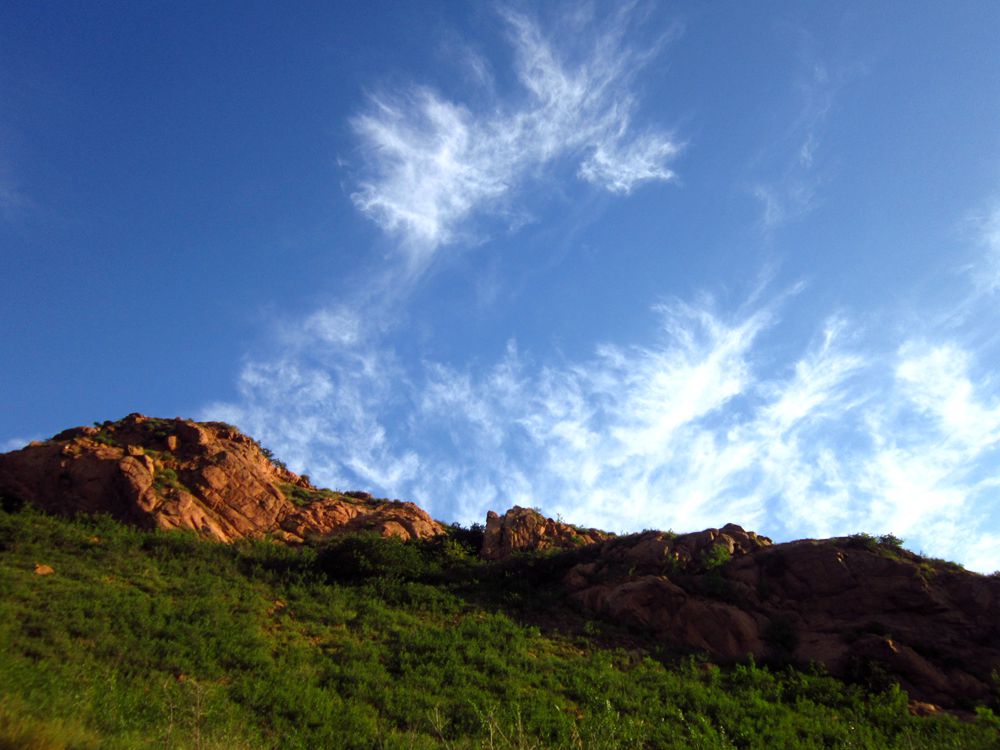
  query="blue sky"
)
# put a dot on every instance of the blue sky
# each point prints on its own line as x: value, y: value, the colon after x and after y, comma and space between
x: 640, y: 265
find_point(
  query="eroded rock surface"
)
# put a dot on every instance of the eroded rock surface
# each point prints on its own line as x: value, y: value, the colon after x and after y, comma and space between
x: 179, y: 474
x: 865, y: 611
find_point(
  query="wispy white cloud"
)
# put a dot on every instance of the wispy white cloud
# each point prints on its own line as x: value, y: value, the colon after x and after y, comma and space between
x: 793, y: 173
x: 688, y: 432
x: 330, y: 420
x: 981, y: 553
x: 339, y: 325
x: 619, y: 167
x: 434, y: 165
x: 702, y: 426
x: 930, y: 445
x: 14, y: 443
x: 985, y: 272
x: 936, y: 381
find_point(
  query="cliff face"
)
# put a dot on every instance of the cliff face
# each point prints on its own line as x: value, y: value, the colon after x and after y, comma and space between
x: 179, y: 474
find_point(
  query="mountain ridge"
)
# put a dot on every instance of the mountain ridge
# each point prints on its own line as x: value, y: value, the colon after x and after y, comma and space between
x: 864, y: 608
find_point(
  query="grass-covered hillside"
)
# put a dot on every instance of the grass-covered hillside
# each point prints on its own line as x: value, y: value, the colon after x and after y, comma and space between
x: 158, y: 640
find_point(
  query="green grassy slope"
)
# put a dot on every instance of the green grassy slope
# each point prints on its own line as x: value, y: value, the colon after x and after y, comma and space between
x: 159, y: 640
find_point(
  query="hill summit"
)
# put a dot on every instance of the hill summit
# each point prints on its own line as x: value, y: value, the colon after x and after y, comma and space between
x: 204, y: 476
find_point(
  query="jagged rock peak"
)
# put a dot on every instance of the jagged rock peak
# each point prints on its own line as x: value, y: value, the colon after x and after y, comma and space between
x: 181, y: 474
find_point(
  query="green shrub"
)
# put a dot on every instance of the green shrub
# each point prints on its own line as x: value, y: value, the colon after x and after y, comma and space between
x: 166, y: 478
x: 366, y: 555
x: 298, y: 495
x: 471, y: 539
x: 864, y: 541
x: 19, y: 730
x: 890, y: 540
x: 105, y: 438
x: 269, y: 455
x: 716, y: 556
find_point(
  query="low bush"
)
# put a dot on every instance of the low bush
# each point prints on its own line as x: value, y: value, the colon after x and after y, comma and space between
x: 890, y: 540
x: 166, y: 478
x: 715, y: 556
x: 864, y: 541
x: 269, y: 455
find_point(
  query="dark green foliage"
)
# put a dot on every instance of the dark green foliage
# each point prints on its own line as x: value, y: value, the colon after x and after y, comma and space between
x: 298, y: 495
x: 891, y: 546
x: 161, y: 640
x: 269, y: 455
x: 166, y: 479
x: 303, y: 496
x: 105, y: 438
x: 160, y: 428
x: 863, y: 541
x: 945, y: 565
x: 361, y: 556
x: 887, y: 545
x: 716, y: 556
x: 869, y: 673
x: 890, y: 540
x: 471, y: 539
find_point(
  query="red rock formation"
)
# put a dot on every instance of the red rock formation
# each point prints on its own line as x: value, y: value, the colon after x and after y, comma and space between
x: 865, y: 610
x: 860, y: 609
x: 524, y: 529
x: 174, y: 473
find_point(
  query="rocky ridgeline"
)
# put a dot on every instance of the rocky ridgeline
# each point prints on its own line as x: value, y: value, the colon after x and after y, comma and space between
x: 205, y: 476
x: 864, y: 608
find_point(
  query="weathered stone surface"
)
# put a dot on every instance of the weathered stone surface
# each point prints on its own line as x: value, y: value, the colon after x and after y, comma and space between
x: 525, y: 529
x: 179, y: 474
x: 858, y: 610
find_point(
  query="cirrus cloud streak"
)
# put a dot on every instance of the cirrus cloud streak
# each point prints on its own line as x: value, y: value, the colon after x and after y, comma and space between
x: 432, y: 165
x: 686, y: 432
